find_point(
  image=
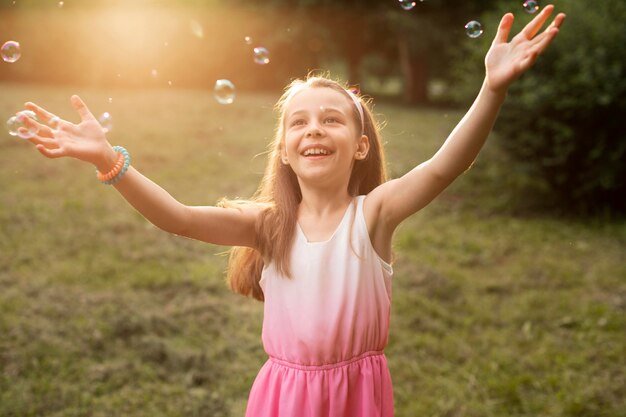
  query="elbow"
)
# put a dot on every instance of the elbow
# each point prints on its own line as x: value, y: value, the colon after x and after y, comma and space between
x: 447, y: 174
x: 443, y: 175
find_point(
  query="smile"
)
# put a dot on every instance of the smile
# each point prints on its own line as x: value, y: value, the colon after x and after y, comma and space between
x: 316, y: 152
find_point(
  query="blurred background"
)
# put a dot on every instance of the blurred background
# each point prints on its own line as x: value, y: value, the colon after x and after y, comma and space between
x: 509, y: 291
x: 562, y: 124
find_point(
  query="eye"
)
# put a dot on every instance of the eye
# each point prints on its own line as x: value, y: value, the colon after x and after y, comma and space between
x: 331, y: 120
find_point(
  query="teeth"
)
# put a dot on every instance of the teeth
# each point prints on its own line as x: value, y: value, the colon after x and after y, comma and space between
x: 316, y: 151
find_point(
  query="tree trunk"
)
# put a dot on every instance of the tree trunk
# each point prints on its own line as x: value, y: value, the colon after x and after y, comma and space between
x: 414, y: 68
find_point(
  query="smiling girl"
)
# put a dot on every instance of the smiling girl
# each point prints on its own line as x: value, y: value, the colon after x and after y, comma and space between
x: 314, y: 242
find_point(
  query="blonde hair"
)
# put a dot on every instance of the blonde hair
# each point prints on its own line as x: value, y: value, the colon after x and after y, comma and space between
x: 279, y: 194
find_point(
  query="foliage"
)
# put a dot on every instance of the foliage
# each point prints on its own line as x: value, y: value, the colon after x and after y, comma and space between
x: 563, y: 119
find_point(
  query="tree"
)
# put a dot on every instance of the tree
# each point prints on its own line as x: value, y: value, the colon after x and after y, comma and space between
x: 417, y: 43
x: 562, y: 121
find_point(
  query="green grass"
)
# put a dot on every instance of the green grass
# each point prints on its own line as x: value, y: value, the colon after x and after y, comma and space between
x: 497, y: 311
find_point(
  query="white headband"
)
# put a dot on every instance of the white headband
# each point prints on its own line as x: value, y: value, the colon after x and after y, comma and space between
x: 359, y: 107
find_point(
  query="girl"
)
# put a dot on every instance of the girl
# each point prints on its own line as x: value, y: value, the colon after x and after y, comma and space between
x: 315, y: 242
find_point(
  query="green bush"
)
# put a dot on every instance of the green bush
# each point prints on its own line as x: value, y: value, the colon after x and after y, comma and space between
x: 563, y: 119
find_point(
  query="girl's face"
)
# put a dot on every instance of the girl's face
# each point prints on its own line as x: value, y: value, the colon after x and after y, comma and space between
x: 322, y: 136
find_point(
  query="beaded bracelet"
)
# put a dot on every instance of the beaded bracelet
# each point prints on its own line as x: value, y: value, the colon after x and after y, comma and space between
x: 118, y: 170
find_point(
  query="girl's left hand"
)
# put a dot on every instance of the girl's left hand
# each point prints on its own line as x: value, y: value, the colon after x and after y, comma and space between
x: 507, y: 61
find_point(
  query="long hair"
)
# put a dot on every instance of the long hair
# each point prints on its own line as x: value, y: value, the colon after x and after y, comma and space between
x: 279, y: 194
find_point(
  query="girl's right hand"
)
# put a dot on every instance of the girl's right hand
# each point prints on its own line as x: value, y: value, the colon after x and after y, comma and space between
x: 57, y: 137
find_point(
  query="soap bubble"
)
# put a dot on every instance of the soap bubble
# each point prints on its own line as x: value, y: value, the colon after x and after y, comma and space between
x: 196, y: 29
x: 248, y: 40
x: 224, y: 91
x: 106, y: 121
x: 11, y: 51
x: 54, y: 122
x: 406, y: 5
x: 15, y: 123
x: 473, y: 29
x: 30, y: 114
x: 261, y: 55
x: 61, y: 3
x: 531, y: 6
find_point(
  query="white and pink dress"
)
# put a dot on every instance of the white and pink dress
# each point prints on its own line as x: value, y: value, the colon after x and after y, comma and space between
x: 325, y: 329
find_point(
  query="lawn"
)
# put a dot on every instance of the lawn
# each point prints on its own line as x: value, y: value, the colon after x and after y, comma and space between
x: 497, y: 310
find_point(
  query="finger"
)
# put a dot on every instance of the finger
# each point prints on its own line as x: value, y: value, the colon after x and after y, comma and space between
x: 535, y: 25
x: 558, y: 20
x: 550, y: 32
x: 33, y: 124
x: 80, y: 106
x: 504, y: 28
x: 50, y: 153
x: 41, y: 113
x: 545, y: 40
x: 42, y: 140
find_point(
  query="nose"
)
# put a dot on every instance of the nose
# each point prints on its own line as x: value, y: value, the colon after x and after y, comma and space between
x: 314, y: 130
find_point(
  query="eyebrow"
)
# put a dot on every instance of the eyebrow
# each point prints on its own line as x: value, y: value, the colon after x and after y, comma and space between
x: 326, y: 110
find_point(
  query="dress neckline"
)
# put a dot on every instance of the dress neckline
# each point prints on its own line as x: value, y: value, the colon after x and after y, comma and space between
x: 343, y: 219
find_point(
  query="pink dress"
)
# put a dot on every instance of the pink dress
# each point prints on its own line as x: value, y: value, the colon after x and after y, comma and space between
x: 325, y: 329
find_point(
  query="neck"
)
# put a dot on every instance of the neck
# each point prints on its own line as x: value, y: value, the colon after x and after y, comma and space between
x: 319, y: 202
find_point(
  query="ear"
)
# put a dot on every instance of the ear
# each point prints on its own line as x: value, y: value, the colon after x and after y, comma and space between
x: 363, y: 147
x: 283, y: 156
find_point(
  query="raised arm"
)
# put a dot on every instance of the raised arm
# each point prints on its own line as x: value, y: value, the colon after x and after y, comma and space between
x: 87, y: 142
x: 505, y: 62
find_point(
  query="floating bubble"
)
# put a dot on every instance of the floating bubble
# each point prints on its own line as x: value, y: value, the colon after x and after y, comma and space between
x: 16, y: 122
x: 110, y: 100
x: 406, y: 5
x: 61, y: 3
x: 196, y: 29
x: 11, y: 51
x: 30, y: 114
x: 531, y: 6
x: 54, y: 122
x: 13, y: 125
x: 261, y: 55
x: 106, y: 121
x: 224, y: 91
x: 248, y: 40
x: 154, y: 73
x: 473, y: 29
